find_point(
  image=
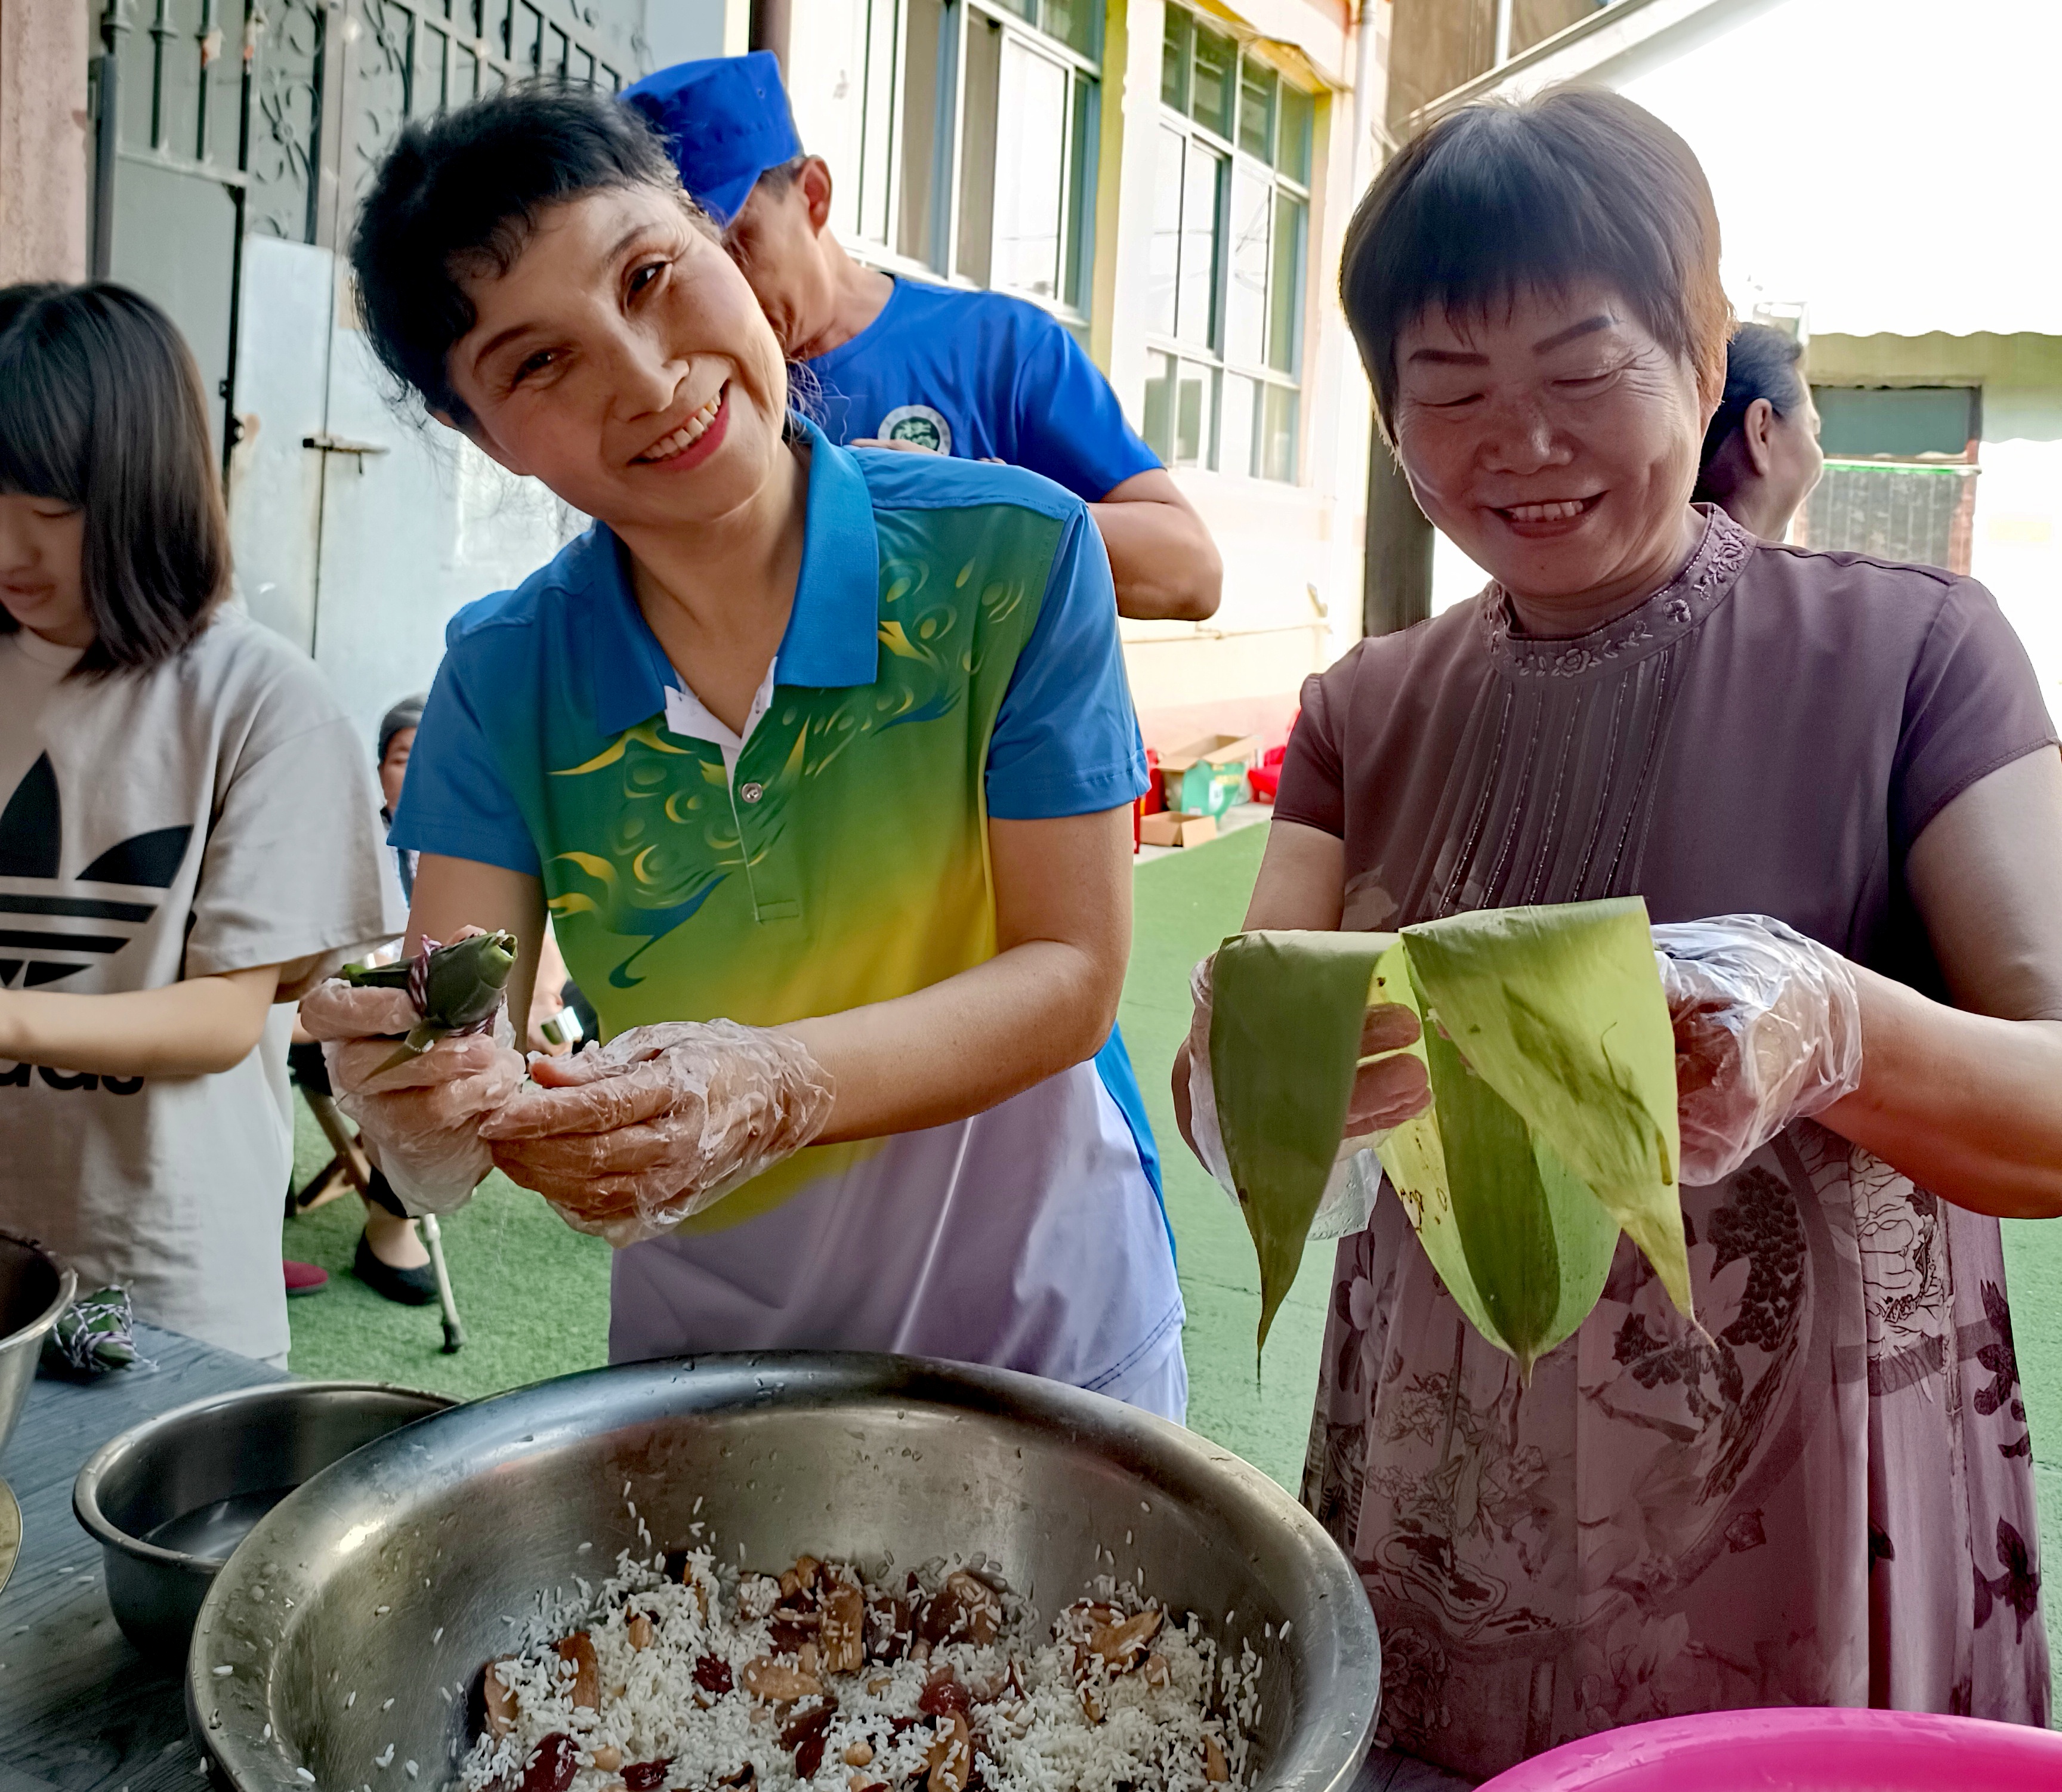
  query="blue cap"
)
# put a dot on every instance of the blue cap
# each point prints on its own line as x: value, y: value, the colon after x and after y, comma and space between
x: 726, y: 121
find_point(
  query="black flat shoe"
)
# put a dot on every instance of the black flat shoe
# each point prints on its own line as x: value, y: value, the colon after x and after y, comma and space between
x: 412, y: 1288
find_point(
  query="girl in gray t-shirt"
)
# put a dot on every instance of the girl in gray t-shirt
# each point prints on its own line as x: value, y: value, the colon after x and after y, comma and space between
x: 189, y: 835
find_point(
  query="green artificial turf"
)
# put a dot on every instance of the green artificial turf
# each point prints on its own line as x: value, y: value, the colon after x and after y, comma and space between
x: 534, y: 1295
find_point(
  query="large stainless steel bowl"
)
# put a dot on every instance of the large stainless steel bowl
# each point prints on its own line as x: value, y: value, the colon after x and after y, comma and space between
x: 361, y: 1609
x: 34, y: 1289
x: 171, y: 1500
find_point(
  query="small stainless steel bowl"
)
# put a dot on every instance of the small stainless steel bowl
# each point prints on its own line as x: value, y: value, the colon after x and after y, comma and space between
x: 34, y: 1289
x: 349, y: 1628
x: 169, y: 1501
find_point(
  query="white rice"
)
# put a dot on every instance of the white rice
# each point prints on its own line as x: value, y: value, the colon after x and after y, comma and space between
x: 1150, y: 1735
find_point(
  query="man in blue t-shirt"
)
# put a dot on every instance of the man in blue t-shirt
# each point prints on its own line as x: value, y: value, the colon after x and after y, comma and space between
x: 908, y: 364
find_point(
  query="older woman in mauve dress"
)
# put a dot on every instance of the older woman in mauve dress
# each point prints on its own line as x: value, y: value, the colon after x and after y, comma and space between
x: 1825, y: 1496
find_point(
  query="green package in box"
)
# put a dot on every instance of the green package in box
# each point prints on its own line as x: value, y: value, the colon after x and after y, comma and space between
x: 1208, y: 776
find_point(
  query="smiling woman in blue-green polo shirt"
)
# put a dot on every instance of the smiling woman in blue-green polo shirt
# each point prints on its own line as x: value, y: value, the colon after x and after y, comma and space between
x: 833, y: 744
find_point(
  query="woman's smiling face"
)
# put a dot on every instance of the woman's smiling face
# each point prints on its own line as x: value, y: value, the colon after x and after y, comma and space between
x: 623, y: 361
x: 1555, y: 441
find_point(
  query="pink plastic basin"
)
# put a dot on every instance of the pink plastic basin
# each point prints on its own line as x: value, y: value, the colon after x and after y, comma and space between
x: 1800, y: 1749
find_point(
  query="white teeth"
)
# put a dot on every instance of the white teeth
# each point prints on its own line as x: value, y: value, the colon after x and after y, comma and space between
x: 1558, y: 512
x: 687, y: 435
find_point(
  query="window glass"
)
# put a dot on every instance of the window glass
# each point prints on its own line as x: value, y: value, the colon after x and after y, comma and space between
x: 1192, y: 434
x: 1534, y: 21
x: 1196, y: 306
x: 1292, y: 133
x: 1030, y: 185
x: 1277, y: 433
x: 1245, y: 297
x: 826, y: 75
x: 1236, y: 425
x: 1159, y: 431
x: 1174, y: 59
x: 1284, y: 323
x: 916, y: 228
x: 1210, y: 85
x: 981, y: 84
x: 1164, y: 257
x: 1081, y: 190
x: 1257, y: 82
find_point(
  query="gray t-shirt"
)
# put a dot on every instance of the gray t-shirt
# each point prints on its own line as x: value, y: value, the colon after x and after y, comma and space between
x: 213, y: 814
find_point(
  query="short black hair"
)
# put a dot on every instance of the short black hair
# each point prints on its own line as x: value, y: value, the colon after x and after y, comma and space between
x: 1497, y: 197
x: 1762, y: 362
x: 101, y: 408
x: 459, y: 193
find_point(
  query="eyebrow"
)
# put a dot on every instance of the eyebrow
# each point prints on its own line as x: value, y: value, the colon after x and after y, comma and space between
x: 1464, y: 357
x: 517, y: 330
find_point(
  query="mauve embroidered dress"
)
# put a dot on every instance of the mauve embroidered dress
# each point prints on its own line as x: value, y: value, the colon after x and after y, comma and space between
x: 1828, y: 1498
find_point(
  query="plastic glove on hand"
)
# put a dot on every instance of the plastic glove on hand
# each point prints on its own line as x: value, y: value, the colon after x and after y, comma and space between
x: 422, y: 1114
x: 626, y: 1140
x: 1768, y: 1031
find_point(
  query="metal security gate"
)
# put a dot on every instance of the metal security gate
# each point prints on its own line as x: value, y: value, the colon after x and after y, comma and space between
x: 216, y: 119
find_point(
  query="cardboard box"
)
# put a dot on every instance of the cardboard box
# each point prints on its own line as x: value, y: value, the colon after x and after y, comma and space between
x: 1208, y: 776
x: 1172, y: 827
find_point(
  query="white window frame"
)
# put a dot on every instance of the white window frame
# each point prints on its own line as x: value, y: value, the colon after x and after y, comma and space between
x: 882, y: 152
x: 1212, y: 361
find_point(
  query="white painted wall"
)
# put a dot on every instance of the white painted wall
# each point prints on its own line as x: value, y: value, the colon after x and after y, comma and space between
x: 687, y: 30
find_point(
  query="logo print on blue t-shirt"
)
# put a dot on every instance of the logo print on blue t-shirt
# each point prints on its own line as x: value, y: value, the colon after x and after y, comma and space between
x: 919, y: 426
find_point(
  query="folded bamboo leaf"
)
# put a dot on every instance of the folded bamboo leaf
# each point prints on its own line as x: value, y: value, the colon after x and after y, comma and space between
x: 1285, y: 1016
x: 1561, y: 1010
x: 1552, y: 1065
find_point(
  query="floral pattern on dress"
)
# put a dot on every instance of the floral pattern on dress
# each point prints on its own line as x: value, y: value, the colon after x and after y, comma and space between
x: 1654, y: 1528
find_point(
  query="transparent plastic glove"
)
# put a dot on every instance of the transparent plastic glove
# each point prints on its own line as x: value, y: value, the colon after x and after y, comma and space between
x: 421, y: 1116
x: 626, y: 1140
x: 1385, y: 1095
x: 1768, y: 1030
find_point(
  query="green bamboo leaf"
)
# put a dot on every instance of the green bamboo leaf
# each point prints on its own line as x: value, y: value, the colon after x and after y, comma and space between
x: 1561, y: 1010
x: 1285, y: 1017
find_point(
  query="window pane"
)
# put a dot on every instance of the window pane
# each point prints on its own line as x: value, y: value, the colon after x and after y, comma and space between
x: 1080, y: 191
x: 1163, y: 264
x: 1174, y: 59
x: 1074, y: 22
x: 1030, y: 187
x: 1257, y: 83
x: 1192, y: 416
x: 826, y: 75
x: 1210, y: 86
x: 1196, y: 309
x: 1292, y: 139
x: 917, y: 232
x: 1246, y: 297
x: 1285, y: 319
x: 1277, y: 433
x: 1241, y: 398
x: 981, y: 92
x: 1159, y: 431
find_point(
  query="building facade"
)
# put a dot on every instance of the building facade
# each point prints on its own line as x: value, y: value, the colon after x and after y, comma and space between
x: 1171, y: 180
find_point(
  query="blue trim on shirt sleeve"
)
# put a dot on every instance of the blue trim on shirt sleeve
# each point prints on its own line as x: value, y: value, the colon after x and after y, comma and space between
x: 1066, y: 742
x: 454, y: 801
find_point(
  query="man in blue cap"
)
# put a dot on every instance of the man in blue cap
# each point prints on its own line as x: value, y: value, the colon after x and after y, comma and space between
x: 909, y: 364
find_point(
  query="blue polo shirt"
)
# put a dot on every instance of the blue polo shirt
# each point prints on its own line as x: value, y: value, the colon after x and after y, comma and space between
x: 982, y: 376
x: 952, y: 655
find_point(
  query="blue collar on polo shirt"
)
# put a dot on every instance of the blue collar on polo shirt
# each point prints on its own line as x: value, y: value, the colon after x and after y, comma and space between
x: 832, y: 638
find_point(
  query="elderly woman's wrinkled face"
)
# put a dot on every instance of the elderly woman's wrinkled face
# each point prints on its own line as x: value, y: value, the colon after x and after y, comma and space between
x: 1556, y: 443
x: 623, y: 360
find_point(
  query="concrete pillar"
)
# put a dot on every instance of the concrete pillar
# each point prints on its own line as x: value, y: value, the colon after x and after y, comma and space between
x: 43, y: 128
